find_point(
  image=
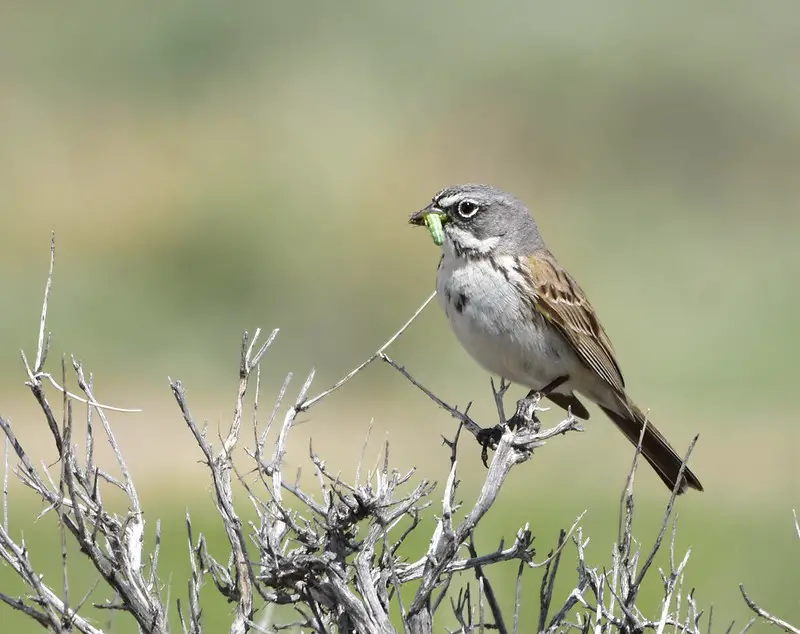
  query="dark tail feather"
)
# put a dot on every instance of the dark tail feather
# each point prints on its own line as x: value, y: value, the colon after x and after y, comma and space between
x: 655, y: 448
x: 570, y: 401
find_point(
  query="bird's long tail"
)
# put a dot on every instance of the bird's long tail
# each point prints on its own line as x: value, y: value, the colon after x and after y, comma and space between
x: 655, y: 448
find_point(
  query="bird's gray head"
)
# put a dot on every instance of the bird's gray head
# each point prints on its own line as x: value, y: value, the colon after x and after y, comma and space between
x: 481, y: 220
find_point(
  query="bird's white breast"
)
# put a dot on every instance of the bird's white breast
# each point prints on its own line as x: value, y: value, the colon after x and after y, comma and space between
x: 495, y: 325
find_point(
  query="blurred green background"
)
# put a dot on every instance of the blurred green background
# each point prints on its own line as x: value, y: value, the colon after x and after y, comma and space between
x: 209, y: 168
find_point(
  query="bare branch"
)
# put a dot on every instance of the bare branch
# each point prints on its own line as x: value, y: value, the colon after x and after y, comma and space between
x: 465, y: 420
x: 41, y: 346
x: 788, y: 627
x: 784, y: 625
x: 332, y: 554
x: 311, y: 401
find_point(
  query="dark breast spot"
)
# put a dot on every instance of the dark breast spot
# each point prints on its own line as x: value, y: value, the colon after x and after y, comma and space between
x: 460, y: 302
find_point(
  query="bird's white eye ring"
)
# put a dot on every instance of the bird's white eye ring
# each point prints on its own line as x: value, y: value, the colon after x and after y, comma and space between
x: 467, y: 208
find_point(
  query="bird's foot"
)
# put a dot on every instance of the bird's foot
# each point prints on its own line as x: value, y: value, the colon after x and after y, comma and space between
x: 488, y: 437
x: 525, y: 416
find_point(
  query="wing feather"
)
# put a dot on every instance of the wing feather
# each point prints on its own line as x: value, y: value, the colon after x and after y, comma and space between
x: 565, y: 306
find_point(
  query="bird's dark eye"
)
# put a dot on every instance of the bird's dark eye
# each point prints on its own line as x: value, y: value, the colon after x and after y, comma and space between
x: 467, y: 208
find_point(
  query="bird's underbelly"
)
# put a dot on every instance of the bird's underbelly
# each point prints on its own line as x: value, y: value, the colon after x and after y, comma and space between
x: 498, y: 328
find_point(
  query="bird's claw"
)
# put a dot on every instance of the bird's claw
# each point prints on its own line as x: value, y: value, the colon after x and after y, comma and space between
x: 488, y: 438
x: 525, y: 416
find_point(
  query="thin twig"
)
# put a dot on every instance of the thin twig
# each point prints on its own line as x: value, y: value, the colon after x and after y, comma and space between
x: 309, y: 402
x: 785, y: 625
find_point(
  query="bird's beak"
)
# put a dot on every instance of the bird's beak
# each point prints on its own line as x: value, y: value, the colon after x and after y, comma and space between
x: 419, y: 217
x: 433, y: 218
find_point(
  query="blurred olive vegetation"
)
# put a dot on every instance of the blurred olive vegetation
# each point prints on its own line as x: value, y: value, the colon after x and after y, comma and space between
x: 211, y: 168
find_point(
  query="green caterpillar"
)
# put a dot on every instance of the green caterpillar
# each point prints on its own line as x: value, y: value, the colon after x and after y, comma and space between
x: 434, y: 223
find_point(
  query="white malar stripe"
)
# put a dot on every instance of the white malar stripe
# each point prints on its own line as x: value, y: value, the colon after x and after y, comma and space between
x: 467, y: 241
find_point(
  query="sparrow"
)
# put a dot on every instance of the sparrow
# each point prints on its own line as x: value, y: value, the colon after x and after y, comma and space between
x: 523, y: 317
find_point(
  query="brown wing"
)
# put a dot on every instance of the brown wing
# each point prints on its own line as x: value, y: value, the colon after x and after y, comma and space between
x: 563, y: 303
